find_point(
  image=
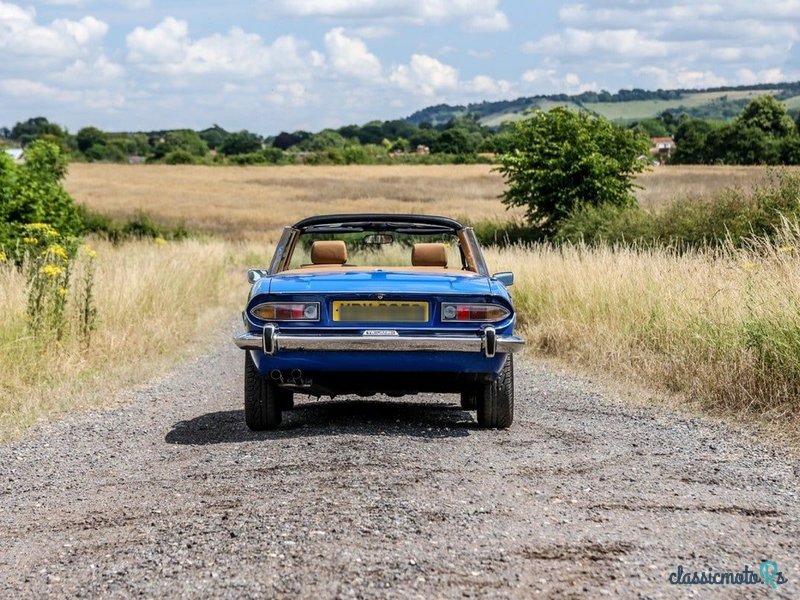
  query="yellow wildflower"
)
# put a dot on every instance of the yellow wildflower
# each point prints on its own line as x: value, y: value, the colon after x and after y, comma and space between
x: 30, y: 241
x: 159, y: 241
x: 43, y: 227
x: 57, y: 250
x: 3, y: 257
x: 62, y: 291
x: 89, y: 251
x: 51, y: 270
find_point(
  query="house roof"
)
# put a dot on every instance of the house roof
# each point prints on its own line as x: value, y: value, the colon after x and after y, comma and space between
x: 662, y: 140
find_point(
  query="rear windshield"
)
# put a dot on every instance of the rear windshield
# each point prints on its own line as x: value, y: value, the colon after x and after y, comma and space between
x: 379, y: 249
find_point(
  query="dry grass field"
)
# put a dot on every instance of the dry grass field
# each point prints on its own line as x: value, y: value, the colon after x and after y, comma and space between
x: 253, y: 203
x: 662, y: 184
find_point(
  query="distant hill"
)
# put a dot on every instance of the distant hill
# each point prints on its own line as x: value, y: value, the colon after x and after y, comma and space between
x: 625, y: 106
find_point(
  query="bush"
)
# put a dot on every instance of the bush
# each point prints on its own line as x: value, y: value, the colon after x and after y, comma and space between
x: 138, y: 227
x: 33, y: 193
x: 251, y: 158
x: 180, y: 157
x: 731, y: 215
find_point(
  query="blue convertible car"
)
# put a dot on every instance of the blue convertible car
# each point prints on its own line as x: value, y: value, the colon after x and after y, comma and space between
x: 366, y: 304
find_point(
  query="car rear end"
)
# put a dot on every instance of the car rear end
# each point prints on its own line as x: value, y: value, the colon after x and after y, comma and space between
x: 359, y: 331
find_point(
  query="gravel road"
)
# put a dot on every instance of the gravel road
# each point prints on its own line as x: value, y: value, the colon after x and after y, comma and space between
x: 169, y: 495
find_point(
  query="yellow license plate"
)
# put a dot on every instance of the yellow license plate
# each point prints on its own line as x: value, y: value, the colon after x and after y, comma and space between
x: 377, y: 311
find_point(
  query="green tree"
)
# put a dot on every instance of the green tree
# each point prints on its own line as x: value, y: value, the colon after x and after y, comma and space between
x: 25, y: 132
x: 563, y: 160
x: 455, y: 141
x: 692, y: 141
x: 324, y: 140
x: 181, y: 139
x: 214, y: 136
x: 242, y: 142
x: 769, y: 115
x: 88, y: 137
x: 652, y: 127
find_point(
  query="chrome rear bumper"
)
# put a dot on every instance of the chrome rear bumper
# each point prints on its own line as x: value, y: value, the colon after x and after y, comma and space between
x: 273, y: 341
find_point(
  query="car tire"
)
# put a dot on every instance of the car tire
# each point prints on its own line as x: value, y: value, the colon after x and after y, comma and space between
x: 469, y: 400
x: 496, y: 399
x: 285, y: 399
x: 262, y: 400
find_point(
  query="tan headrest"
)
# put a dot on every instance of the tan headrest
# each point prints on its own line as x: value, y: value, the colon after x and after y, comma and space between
x: 332, y: 252
x: 429, y: 255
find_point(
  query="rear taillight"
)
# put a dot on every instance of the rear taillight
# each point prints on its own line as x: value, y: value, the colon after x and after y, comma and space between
x: 487, y: 313
x: 286, y: 311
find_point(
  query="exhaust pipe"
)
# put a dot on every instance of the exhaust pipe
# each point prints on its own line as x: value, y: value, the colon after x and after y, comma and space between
x: 276, y: 375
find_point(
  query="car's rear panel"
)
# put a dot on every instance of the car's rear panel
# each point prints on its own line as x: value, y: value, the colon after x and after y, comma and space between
x: 354, y: 303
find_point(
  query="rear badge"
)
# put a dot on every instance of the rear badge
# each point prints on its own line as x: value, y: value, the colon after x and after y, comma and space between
x: 380, y: 332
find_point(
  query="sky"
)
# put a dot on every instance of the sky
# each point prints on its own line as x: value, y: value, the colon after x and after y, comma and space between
x: 281, y: 65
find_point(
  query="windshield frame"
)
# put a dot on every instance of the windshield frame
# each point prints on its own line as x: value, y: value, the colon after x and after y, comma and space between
x: 416, y: 224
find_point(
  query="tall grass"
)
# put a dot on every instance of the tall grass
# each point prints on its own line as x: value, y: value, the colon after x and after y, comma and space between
x: 152, y: 299
x: 720, y: 327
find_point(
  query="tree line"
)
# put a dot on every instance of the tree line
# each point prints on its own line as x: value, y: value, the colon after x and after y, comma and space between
x: 762, y: 132
x: 462, y: 139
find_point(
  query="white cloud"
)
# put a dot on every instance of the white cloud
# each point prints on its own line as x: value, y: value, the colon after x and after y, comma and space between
x: 168, y: 48
x: 681, y: 78
x: 350, y: 56
x: 497, y: 21
x: 682, y: 43
x: 46, y: 95
x: 101, y: 70
x: 580, y: 42
x: 475, y: 15
x: 748, y: 76
x: 129, y: 4
x: 425, y: 75
x: 293, y: 94
x: 63, y: 39
x: 550, y: 81
x: 26, y: 88
x: 487, y: 87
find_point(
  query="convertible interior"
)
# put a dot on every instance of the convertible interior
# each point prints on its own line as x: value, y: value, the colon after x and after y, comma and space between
x: 331, y: 256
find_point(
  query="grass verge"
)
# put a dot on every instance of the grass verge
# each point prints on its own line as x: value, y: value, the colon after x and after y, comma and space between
x: 719, y: 328
x: 154, y: 302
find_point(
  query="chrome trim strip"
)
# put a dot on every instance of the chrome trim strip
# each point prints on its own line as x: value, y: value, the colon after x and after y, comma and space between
x: 281, y: 257
x: 272, y: 341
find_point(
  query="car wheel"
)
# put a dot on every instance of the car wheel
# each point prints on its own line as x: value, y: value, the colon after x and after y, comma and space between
x: 262, y: 401
x: 469, y: 400
x: 285, y: 399
x: 496, y: 399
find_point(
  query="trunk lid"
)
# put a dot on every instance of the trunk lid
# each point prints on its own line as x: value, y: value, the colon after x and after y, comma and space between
x: 381, y: 281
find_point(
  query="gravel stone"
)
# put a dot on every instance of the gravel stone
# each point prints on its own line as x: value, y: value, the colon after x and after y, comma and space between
x: 168, y: 494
